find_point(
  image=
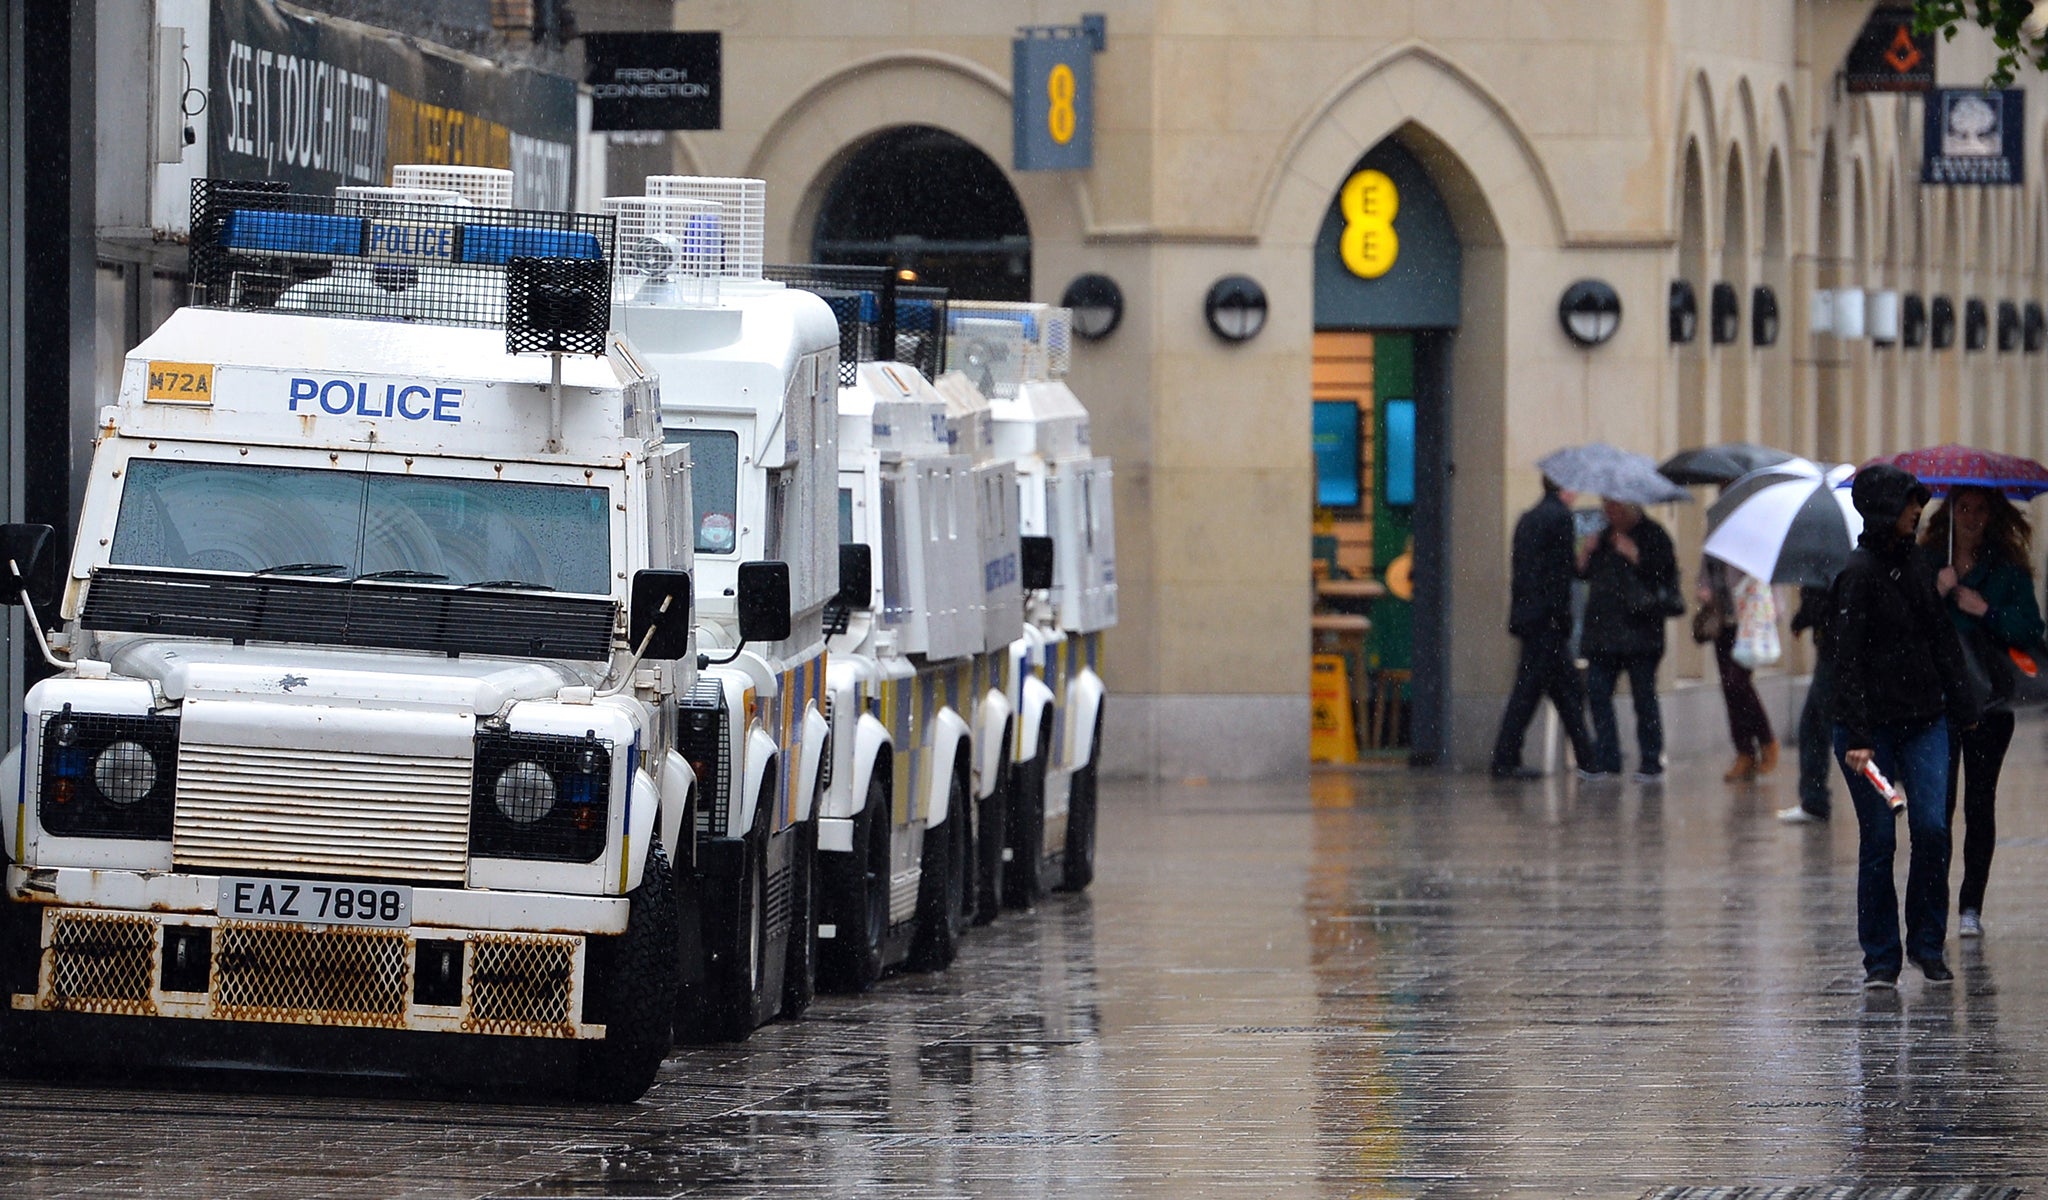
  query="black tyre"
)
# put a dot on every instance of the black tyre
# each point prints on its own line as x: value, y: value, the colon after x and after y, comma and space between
x: 633, y: 990
x: 734, y: 974
x: 1079, y: 861
x: 800, y: 963
x: 858, y: 885
x: 991, y: 833
x: 942, y: 887
x: 1023, y: 885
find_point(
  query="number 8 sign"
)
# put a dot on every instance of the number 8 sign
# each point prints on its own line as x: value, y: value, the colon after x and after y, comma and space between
x: 1053, y: 97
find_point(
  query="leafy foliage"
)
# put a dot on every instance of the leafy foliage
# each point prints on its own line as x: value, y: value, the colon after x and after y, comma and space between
x: 2017, y: 40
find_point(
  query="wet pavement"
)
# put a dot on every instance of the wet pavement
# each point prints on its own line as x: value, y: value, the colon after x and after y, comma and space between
x: 1386, y: 984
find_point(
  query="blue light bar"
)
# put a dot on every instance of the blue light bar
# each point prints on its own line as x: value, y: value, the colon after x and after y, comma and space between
x: 492, y: 245
x: 292, y: 233
x: 1029, y: 320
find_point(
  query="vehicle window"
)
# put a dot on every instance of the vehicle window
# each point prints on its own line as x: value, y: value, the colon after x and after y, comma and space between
x: 714, y: 486
x: 845, y: 515
x: 323, y: 522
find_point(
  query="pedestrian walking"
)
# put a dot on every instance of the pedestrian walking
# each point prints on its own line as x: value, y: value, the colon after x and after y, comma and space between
x: 1631, y: 574
x: 1984, y: 549
x: 1749, y: 726
x: 1542, y: 568
x: 1817, y: 715
x: 1899, y: 690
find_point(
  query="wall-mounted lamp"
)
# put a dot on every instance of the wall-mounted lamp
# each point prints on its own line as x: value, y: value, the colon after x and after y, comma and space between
x: 1097, y: 304
x: 1912, y: 321
x: 1763, y: 316
x: 1590, y: 312
x: 1685, y: 312
x: 1235, y: 308
x: 1941, y: 323
x: 2008, y: 327
x: 1883, y: 314
x: 1976, y: 325
x: 2033, y: 327
x: 1725, y: 314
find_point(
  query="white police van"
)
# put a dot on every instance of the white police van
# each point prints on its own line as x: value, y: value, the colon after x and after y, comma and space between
x: 747, y: 368
x: 373, y: 637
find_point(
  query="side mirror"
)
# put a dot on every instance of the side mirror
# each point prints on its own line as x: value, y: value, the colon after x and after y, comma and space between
x: 764, y: 601
x: 24, y: 554
x: 856, y: 576
x: 1034, y: 562
x: 661, y: 607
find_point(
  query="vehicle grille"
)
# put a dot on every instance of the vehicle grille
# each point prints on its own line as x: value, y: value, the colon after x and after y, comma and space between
x: 831, y: 746
x: 102, y: 964
x: 332, y: 976
x: 379, y: 816
x: 702, y: 740
x: 521, y: 986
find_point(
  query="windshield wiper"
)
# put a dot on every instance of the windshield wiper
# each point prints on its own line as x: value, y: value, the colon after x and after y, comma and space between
x: 405, y: 574
x: 524, y: 585
x: 305, y: 568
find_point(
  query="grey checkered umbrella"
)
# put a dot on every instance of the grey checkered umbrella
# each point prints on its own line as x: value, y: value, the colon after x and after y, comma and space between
x: 1611, y: 472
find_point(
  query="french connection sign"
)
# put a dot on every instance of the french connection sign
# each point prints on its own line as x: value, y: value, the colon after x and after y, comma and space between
x: 653, y: 80
x: 1052, y: 107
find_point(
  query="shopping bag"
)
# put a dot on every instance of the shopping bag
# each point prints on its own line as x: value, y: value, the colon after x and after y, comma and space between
x: 1756, y: 624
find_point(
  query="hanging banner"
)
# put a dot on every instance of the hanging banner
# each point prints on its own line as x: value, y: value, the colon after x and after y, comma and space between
x: 653, y: 80
x: 1052, y: 109
x: 321, y: 103
x: 1974, y: 137
x: 1889, y: 57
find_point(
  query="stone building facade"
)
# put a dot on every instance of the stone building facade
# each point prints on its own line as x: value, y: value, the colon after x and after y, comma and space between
x: 1633, y: 142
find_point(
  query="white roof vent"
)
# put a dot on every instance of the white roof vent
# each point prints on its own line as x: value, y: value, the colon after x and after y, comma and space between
x: 670, y: 251
x: 485, y: 187
x: 393, y: 203
x: 743, y: 205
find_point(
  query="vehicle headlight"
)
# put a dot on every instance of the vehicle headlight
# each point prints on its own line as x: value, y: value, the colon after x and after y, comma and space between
x: 540, y: 796
x: 525, y: 792
x: 108, y: 776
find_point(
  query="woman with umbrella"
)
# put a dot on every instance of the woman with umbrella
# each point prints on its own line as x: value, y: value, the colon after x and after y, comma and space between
x: 1983, y: 547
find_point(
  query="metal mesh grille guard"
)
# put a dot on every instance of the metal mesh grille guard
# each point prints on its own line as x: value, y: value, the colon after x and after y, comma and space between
x: 880, y: 320
x: 257, y: 246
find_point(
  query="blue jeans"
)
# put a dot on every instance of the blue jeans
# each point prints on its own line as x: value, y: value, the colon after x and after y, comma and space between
x: 1816, y: 730
x: 1601, y: 675
x: 1915, y: 759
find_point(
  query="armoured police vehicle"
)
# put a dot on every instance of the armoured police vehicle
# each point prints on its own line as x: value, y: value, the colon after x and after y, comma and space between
x: 747, y: 369
x: 1017, y: 356
x: 365, y: 721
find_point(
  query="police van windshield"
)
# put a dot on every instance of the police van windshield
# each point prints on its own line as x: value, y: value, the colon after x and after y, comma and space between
x: 354, y: 524
x: 714, y: 485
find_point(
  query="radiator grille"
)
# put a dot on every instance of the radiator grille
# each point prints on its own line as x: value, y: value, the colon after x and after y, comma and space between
x: 102, y: 964
x: 521, y: 986
x: 335, y: 976
x: 380, y: 816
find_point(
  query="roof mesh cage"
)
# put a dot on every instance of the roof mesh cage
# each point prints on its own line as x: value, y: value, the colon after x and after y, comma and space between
x: 1000, y: 344
x: 380, y: 254
x: 743, y: 209
x: 880, y: 319
x: 485, y: 187
x: 671, y: 250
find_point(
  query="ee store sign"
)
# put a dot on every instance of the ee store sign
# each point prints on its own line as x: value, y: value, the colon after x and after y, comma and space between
x: 404, y: 401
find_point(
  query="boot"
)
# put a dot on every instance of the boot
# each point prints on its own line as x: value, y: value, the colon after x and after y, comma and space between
x: 1767, y: 758
x: 1744, y: 768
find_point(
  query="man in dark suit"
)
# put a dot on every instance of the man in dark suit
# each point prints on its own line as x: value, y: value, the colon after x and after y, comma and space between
x: 1540, y: 614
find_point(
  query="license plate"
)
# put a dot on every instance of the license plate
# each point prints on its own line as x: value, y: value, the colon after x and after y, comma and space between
x: 315, y: 902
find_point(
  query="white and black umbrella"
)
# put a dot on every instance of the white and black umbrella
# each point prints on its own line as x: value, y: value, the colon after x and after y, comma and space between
x: 1788, y: 523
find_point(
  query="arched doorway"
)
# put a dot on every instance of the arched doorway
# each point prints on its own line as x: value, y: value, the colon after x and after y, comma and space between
x: 925, y: 200
x: 1388, y: 277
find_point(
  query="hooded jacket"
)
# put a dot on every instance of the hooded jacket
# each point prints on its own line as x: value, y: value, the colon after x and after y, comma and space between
x: 1542, y: 570
x: 1898, y: 661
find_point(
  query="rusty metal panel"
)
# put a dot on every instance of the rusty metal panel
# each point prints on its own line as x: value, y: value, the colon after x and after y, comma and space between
x: 101, y: 963
x: 523, y: 986
x: 335, y: 975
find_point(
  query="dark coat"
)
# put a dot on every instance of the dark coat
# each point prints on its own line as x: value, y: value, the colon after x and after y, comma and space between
x: 1543, y: 567
x: 1628, y: 604
x: 1898, y: 660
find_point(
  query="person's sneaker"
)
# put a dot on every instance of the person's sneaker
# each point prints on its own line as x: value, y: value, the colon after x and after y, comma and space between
x: 1935, y: 969
x: 1593, y: 776
x: 1515, y: 772
x: 1797, y: 815
x: 1969, y: 924
x: 1877, y: 981
x: 1648, y: 775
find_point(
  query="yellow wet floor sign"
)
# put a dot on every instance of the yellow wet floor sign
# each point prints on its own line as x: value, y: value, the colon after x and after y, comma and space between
x: 1331, y: 738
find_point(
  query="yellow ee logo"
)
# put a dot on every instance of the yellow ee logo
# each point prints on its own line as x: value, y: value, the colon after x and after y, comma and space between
x: 1369, y: 246
x: 1059, y: 90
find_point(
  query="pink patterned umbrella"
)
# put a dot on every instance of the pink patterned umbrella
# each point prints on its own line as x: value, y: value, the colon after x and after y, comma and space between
x: 1944, y: 467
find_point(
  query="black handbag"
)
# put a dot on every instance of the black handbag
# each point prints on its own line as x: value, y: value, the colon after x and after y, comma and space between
x: 1706, y: 623
x: 1987, y: 669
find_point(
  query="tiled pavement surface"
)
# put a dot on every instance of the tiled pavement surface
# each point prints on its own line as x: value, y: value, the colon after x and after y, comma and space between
x: 1382, y: 985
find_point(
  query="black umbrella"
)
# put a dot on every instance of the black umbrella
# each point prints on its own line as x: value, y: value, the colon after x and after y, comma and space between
x: 1720, y: 464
